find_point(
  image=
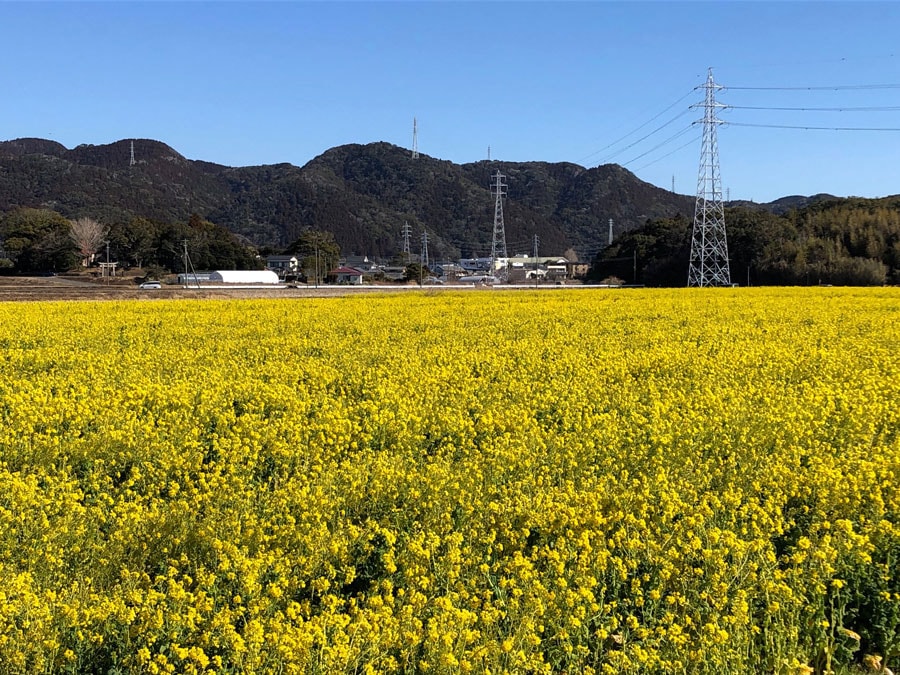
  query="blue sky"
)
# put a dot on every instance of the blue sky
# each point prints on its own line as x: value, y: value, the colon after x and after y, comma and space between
x: 262, y: 83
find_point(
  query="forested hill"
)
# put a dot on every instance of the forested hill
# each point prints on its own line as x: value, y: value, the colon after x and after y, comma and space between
x: 363, y: 194
x: 827, y: 240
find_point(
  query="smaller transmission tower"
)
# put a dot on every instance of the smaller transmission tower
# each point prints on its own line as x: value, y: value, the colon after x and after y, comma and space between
x: 610, y: 231
x: 132, y: 162
x: 498, y: 243
x: 709, y: 246
x: 406, y: 234
x: 424, y: 260
x: 415, y: 150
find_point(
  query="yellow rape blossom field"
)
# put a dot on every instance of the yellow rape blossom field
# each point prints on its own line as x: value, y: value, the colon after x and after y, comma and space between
x: 590, y: 481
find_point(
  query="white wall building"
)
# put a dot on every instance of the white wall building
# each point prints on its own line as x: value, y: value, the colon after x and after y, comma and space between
x: 243, y: 277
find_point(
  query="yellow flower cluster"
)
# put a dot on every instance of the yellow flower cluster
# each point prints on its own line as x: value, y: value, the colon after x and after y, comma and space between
x: 682, y: 481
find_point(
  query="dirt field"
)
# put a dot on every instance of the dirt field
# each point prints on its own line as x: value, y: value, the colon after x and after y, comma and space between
x: 24, y: 289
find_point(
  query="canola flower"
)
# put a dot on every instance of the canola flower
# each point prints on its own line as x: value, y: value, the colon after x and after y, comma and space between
x: 679, y: 481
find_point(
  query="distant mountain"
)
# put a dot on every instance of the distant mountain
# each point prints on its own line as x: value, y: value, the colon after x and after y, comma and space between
x: 361, y: 193
x: 786, y: 204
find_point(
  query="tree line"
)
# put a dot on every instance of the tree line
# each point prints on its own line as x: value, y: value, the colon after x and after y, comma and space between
x: 40, y: 241
x: 853, y: 242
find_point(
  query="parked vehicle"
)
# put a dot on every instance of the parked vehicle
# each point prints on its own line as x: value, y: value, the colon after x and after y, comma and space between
x: 150, y: 286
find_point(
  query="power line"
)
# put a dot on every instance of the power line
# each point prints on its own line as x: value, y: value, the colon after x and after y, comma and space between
x: 658, y: 146
x: 848, y: 109
x: 842, y: 87
x: 644, y: 138
x: 805, y: 128
x: 634, y: 131
x: 782, y: 65
x: 669, y: 154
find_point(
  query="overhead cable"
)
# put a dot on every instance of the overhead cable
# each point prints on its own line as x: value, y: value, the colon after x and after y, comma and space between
x: 659, y: 145
x: 847, y: 109
x: 644, y: 138
x: 842, y: 87
x: 669, y: 154
x: 634, y: 131
x: 806, y: 128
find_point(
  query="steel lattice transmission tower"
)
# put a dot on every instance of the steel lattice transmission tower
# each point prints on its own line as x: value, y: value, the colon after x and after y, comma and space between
x: 406, y: 234
x: 131, y: 162
x: 498, y: 242
x: 709, y: 245
x: 415, y: 148
x: 423, y: 261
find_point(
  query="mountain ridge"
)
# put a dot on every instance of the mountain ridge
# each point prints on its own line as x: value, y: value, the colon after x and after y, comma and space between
x: 362, y: 193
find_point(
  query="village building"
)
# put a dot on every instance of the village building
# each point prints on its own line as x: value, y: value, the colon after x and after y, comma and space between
x: 283, y: 265
x: 346, y: 275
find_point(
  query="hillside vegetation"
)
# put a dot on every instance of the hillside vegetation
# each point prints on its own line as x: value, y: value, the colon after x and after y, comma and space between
x: 361, y: 195
x: 37, y: 241
x: 830, y: 241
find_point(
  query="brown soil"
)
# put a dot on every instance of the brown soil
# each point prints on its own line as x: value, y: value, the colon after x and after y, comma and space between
x: 18, y: 289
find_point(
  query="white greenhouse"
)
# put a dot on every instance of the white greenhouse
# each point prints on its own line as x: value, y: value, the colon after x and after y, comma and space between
x: 243, y: 277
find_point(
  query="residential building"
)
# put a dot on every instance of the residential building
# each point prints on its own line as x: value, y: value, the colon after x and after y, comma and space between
x: 346, y: 275
x: 283, y: 264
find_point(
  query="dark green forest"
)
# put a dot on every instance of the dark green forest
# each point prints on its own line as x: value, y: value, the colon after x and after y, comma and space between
x: 37, y: 241
x: 362, y: 194
x: 834, y: 241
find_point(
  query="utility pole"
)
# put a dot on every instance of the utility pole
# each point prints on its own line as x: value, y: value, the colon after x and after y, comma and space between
x: 423, y: 259
x: 498, y: 243
x: 709, y: 245
x: 536, y: 242
x: 317, y: 263
x: 610, y: 231
x: 107, y: 262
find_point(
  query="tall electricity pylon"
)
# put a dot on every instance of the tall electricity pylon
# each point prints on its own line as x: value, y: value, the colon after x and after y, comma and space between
x: 709, y: 245
x: 131, y: 162
x: 498, y: 243
x: 415, y: 149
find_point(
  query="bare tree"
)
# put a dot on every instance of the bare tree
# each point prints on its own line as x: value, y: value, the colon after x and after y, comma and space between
x: 88, y: 235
